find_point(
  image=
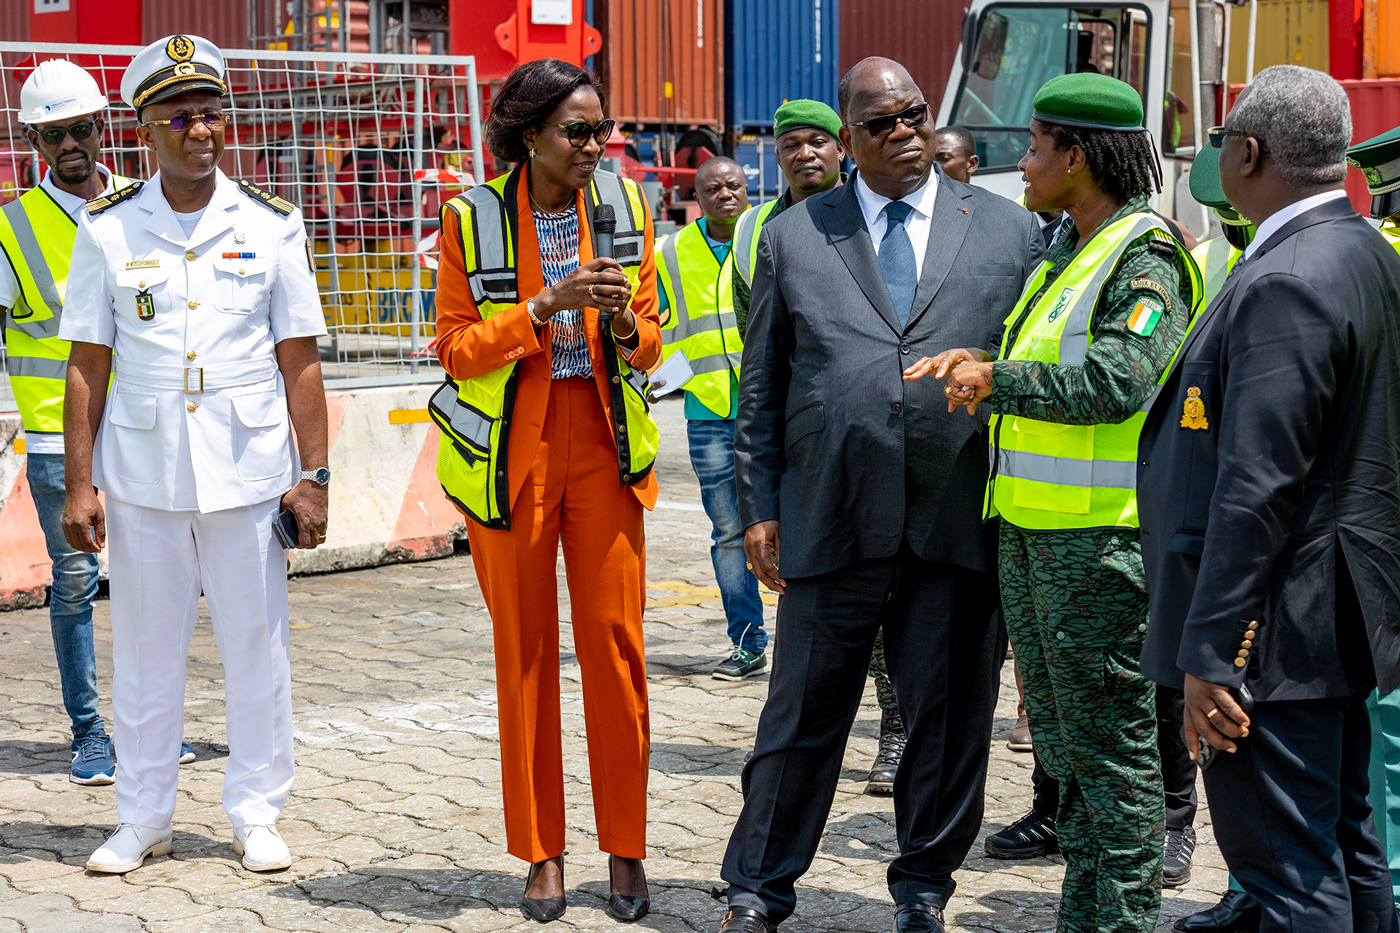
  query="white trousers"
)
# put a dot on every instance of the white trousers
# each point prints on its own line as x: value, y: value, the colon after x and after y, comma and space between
x: 159, y: 562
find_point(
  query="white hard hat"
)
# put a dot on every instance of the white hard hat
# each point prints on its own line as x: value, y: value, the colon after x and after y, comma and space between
x: 58, y: 90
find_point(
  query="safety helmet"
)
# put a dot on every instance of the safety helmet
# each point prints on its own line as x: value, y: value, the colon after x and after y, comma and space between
x: 59, y: 90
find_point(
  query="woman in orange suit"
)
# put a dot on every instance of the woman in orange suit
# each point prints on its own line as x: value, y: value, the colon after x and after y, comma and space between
x: 563, y: 475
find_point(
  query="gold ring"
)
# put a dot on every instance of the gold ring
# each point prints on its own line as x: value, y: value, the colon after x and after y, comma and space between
x: 323, y: 537
x: 591, y: 293
x: 1212, y: 712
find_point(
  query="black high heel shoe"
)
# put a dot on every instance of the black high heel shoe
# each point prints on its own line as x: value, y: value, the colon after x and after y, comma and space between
x: 542, y: 909
x: 622, y: 907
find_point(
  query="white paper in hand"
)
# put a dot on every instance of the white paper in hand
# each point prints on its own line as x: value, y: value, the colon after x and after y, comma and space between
x: 675, y: 372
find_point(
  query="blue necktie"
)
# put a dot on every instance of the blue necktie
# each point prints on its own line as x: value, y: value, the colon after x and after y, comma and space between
x: 897, y: 260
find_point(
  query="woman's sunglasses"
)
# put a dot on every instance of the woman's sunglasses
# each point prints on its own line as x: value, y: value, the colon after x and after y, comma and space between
x: 577, y: 133
x: 53, y: 135
x: 914, y: 117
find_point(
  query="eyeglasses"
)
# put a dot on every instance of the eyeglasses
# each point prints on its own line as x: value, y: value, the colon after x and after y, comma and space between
x: 53, y: 135
x: 214, y: 121
x: 914, y: 117
x: 577, y: 133
x: 1217, y: 134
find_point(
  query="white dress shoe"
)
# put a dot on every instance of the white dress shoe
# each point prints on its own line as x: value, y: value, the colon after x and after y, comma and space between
x: 261, y: 847
x: 128, y: 847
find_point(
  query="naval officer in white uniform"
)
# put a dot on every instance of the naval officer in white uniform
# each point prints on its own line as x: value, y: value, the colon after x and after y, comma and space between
x: 195, y: 292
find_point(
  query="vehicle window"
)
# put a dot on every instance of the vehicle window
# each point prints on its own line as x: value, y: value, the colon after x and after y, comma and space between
x: 1019, y: 48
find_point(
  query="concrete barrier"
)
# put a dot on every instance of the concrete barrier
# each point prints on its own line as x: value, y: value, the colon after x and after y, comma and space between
x: 386, y: 505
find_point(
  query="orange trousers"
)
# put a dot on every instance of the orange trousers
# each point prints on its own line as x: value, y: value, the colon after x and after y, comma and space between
x: 571, y: 495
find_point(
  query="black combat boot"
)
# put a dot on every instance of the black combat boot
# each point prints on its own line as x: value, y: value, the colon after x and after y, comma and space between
x: 881, y: 780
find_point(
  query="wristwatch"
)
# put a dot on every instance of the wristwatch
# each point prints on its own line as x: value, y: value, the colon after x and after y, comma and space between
x: 530, y: 310
x: 320, y: 477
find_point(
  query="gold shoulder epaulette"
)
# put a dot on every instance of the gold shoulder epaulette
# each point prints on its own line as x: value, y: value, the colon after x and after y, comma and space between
x: 280, y: 205
x: 98, y: 205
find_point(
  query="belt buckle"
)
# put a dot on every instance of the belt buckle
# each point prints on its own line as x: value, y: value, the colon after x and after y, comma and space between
x: 200, y: 371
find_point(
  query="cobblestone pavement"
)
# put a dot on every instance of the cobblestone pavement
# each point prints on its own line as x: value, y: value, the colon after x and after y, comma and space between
x: 395, y: 817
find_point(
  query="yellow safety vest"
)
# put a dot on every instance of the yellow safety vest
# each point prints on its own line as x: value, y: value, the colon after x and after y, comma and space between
x: 1393, y: 235
x: 1062, y: 476
x: 36, y: 236
x: 702, y: 323
x: 474, y: 414
x: 1215, y: 258
x: 746, y: 238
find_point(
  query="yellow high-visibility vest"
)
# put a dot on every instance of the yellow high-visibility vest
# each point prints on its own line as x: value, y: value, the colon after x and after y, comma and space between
x: 702, y: 325
x: 746, y: 233
x: 36, y: 236
x: 1050, y: 476
x: 474, y: 414
x: 1215, y: 258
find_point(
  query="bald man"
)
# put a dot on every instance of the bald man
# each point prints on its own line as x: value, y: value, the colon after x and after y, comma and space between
x: 695, y: 268
x: 875, y: 492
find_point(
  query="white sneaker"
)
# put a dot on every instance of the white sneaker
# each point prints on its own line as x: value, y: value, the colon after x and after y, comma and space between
x: 128, y: 847
x: 261, y: 847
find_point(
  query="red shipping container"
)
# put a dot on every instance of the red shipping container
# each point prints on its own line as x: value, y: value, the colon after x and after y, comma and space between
x: 922, y: 35
x: 14, y: 22
x: 1375, y: 108
x: 224, y: 24
x: 662, y: 61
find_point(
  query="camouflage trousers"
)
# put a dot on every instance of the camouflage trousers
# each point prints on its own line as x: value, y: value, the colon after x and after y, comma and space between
x: 1076, y: 611
x: 884, y: 690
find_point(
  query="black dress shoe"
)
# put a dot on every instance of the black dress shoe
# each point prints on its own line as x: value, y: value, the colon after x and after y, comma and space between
x: 542, y: 909
x: 880, y: 783
x: 1176, y: 857
x: 1237, y: 912
x: 744, y: 920
x: 625, y: 908
x: 1032, y: 836
x: 918, y: 918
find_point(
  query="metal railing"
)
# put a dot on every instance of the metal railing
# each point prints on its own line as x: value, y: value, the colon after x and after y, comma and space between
x: 368, y: 146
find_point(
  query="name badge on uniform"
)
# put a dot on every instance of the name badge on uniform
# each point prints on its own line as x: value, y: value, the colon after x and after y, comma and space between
x: 145, y: 306
x: 144, y: 264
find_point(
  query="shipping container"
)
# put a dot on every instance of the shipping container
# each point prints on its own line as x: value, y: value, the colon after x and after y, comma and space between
x: 1387, y: 39
x: 778, y: 50
x: 663, y: 61
x: 14, y: 21
x: 1288, y: 32
x: 224, y: 24
x: 1375, y: 107
x: 922, y: 35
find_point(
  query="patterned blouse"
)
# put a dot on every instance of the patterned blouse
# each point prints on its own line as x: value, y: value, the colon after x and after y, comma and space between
x: 558, y: 238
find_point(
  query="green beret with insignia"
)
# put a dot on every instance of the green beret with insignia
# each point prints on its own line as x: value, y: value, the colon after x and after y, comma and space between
x: 1379, y: 160
x: 795, y: 114
x: 1090, y: 100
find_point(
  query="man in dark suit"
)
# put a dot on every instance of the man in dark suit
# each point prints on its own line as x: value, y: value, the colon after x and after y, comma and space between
x: 877, y: 490
x: 1271, y: 516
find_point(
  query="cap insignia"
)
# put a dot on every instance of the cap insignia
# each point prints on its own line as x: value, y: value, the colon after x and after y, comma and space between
x: 180, y: 48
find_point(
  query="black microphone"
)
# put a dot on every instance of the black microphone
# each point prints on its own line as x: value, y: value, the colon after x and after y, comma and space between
x: 604, y: 226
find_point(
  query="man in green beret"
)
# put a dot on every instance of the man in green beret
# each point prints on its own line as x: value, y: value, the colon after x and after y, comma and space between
x: 1379, y: 160
x: 1097, y: 327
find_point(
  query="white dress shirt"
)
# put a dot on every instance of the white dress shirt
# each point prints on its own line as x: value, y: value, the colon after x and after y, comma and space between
x: 1275, y: 221
x: 918, y: 223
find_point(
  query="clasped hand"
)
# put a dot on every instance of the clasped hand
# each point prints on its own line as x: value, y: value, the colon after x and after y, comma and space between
x: 599, y: 283
x: 969, y: 375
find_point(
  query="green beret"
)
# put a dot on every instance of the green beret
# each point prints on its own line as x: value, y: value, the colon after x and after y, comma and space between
x: 1091, y: 100
x: 795, y: 114
x: 1379, y: 160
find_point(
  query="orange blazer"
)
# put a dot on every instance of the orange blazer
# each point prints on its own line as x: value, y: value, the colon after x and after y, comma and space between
x: 469, y: 346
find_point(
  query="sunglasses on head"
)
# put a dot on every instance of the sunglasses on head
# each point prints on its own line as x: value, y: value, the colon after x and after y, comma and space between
x: 180, y: 124
x: 914, y: 117
x: 1217, y: 134
x: 53, y: 135
x: 577, y: 133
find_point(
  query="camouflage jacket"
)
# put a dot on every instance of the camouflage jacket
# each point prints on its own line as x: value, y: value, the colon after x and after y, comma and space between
x: 1122, y: 367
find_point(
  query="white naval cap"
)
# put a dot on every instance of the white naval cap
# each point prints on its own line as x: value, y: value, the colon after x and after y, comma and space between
x: 172, y: 66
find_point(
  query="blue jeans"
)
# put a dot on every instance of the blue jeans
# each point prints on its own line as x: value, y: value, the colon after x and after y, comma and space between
x: 70, y: 600
x: 712, y: 456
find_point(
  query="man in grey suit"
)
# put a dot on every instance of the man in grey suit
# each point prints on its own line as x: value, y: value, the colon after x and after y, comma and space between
x: 877, y: 491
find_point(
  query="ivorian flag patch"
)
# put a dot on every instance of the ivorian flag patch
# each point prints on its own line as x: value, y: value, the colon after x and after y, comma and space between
x: 1146, y: 313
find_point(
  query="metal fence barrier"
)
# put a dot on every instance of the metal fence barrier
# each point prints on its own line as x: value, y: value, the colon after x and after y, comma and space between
x: 368, y: 146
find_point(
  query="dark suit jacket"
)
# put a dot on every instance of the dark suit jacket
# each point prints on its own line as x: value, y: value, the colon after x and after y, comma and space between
x: 1286, y: 508
x: 829, y: 439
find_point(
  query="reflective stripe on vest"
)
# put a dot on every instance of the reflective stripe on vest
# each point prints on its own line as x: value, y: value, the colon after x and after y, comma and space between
x: 1049, y: 476
x: 1215, y: 258
x: 746, y: 238
x: 474, y: 414
x: 703, y: 325
x: 36, y: 237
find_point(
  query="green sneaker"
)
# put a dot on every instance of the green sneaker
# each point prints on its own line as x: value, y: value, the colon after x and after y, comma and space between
x: 741, y: 664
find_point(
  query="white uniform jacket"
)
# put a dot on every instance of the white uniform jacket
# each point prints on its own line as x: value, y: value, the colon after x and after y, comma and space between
x: 184, y: 314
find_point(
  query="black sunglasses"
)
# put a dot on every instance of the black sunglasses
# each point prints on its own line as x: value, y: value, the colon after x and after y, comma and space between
x: 1217, y: 134
x: 915, y: 116
x: 180, y: 124
x: 578, y: 132
x: 53, y: 135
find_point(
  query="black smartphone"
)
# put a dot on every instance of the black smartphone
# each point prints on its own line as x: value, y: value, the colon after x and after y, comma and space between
x: 285, y: 528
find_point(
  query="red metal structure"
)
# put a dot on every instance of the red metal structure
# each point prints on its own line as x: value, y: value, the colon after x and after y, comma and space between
x: 504, y: 33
